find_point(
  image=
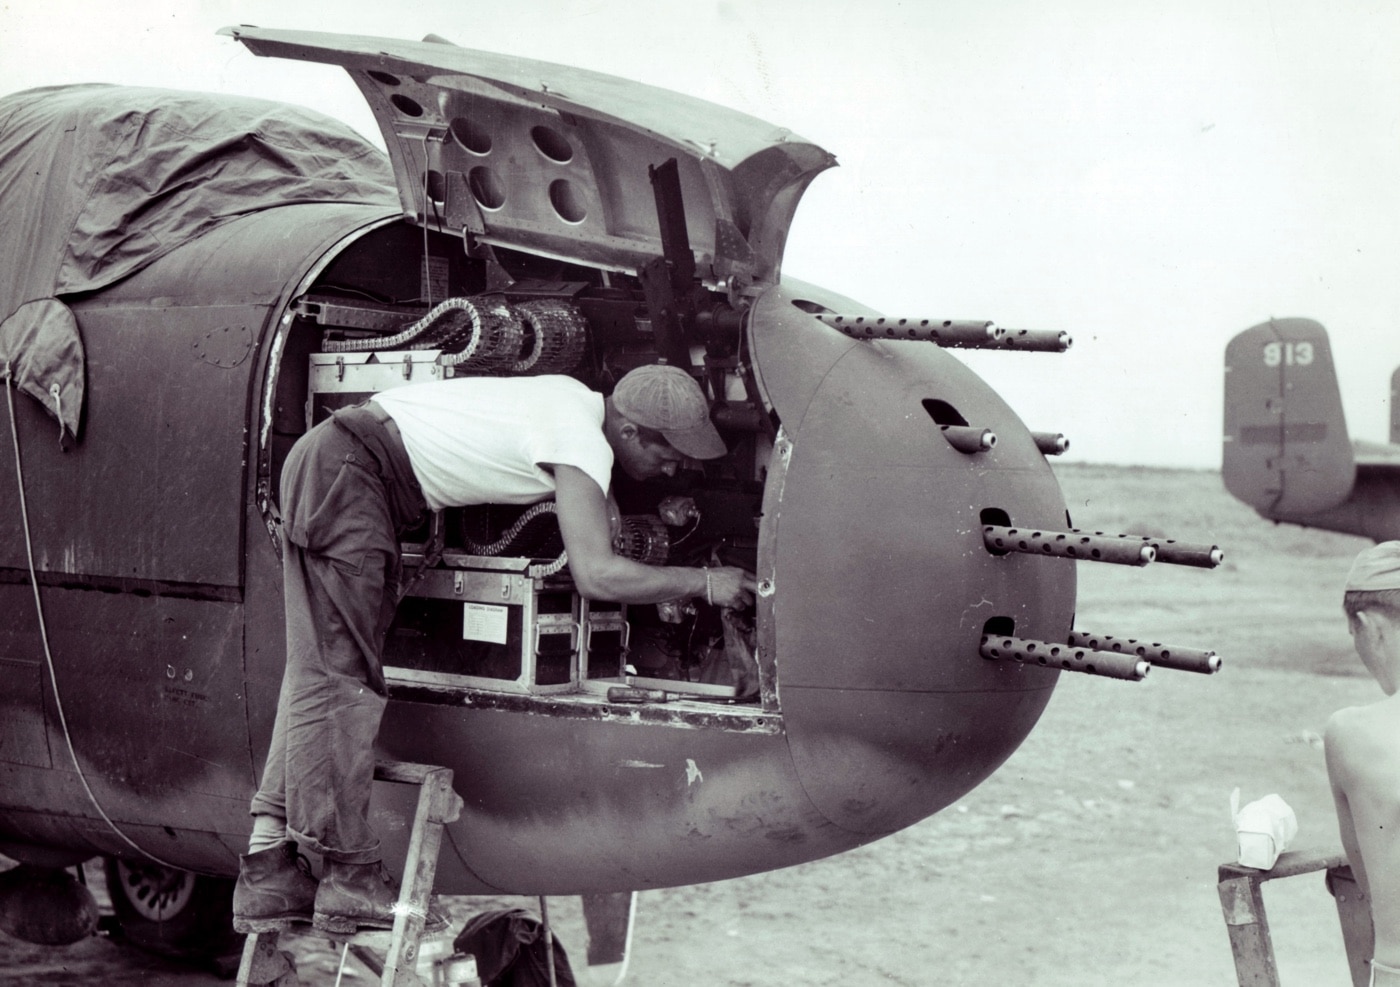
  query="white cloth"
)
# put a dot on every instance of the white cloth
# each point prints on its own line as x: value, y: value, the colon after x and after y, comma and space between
x: 481, y: 440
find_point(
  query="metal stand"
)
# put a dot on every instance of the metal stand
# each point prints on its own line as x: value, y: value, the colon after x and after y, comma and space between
x: 264, y: 965
x: 1242, y: 900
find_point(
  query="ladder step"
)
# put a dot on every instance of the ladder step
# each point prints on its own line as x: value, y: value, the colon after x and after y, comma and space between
x: 263, y: 963
x: 376, y: 939
x: 405, y: 772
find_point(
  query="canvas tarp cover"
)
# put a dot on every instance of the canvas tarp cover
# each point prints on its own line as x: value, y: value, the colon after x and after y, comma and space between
x: 41, y: 353
x: 98, y: 181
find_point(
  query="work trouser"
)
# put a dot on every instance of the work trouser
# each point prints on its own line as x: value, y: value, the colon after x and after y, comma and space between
x: 347, y: 491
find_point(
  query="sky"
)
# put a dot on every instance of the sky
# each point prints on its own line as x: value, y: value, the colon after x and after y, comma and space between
x: 1151, y: 178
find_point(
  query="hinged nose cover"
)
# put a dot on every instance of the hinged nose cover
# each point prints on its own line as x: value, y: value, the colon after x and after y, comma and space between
x: 554, y: 160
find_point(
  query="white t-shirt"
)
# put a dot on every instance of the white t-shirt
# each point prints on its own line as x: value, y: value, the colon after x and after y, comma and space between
x: 481, y: 440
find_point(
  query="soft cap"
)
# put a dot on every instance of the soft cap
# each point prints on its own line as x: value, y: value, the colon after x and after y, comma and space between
x: 669, y: 400
x: 1378, y: 567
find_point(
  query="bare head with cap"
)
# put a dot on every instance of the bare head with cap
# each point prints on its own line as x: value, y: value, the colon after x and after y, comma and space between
x: 1374, y: 581
x: 656, y: 417
x: 1372, y: 605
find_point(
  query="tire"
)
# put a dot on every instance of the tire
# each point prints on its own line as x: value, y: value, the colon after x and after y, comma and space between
x: 173, y: 912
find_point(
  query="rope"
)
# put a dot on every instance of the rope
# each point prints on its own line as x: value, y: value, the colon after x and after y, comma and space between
x: 44, y: 633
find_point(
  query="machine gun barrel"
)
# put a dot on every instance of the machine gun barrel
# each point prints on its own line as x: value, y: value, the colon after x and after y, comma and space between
x: 1176, y: 553
x: 1181, y: 659
x: 961, y: 334
x: 1000, y: 539
x: 1050, y: 443
x: 1043, y: 340
x: 1111, y: 664
x: 969, y: 439
x: 944, y: 332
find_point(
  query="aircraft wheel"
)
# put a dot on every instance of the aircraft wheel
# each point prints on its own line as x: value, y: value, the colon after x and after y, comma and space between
x: 173, y: 912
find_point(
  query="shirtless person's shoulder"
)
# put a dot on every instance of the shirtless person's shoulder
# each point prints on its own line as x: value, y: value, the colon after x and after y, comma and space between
x: 1363, y: 752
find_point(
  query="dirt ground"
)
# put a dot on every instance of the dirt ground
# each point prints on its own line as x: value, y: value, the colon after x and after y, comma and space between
x: 1090, y: 857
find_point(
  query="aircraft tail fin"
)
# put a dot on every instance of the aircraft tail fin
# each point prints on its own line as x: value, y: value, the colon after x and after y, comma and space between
x: 1285, y: 450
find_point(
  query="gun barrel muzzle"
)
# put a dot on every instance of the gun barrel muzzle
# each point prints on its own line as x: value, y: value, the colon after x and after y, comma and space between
x: 1050, y: 443
x: 1111, y: 664
x: 968, y: 438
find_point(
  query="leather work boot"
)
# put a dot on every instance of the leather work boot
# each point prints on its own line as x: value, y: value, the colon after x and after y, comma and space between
x: 361, y: 896
x: 274, y: 889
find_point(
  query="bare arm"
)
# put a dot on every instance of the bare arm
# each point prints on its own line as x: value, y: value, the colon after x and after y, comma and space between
x: 601, y: 575
x: 1364, y: 771
x: 1339, y: 776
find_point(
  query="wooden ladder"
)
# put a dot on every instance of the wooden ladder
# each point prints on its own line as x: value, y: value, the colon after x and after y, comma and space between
x: 264, y: 965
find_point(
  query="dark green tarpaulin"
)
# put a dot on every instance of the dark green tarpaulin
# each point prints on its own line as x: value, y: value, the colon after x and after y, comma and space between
x: 98, y: 181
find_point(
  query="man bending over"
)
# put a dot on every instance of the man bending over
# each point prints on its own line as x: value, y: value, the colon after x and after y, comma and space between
x: 350, y: 487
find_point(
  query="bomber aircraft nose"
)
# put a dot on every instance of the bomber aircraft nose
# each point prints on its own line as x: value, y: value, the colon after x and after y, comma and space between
x: 881, y: 586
